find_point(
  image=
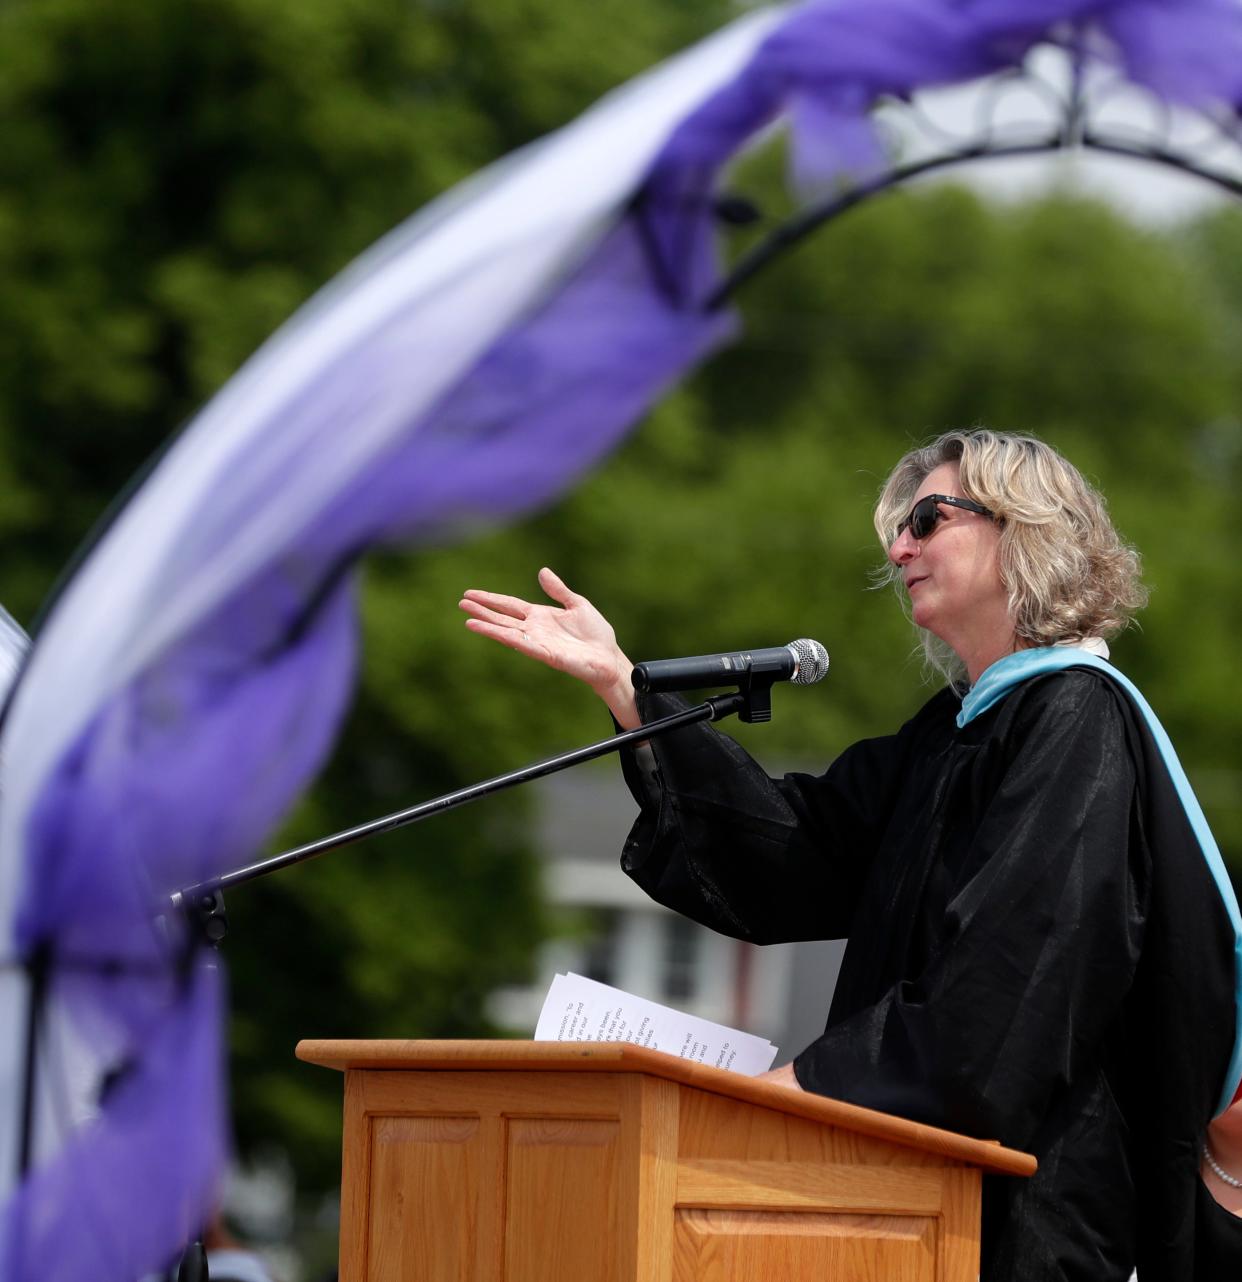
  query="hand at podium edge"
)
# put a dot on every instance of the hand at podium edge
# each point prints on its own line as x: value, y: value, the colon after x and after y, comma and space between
x: 783, y: 1076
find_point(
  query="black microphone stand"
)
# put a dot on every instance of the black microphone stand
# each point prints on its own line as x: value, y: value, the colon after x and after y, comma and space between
x: 203, y: 902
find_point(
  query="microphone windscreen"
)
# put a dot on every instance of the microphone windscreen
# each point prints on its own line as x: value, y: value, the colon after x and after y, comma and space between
x: 812, y: 661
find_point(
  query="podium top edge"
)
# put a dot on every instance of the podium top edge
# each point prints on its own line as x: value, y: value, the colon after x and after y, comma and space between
x: 395, y: 1055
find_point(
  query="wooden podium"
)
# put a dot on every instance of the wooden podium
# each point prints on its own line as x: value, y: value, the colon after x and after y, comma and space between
x: 602, y: 1162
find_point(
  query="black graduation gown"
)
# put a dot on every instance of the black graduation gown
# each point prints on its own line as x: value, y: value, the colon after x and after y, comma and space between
x: 1036, y: 950
x: 1219, y: 1254
x: 1219, y: 1249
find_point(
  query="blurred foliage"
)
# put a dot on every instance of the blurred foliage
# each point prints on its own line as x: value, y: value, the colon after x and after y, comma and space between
x: 177, y: 178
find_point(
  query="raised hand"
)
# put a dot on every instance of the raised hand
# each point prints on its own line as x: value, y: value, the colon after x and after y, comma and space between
x: 571, y: 636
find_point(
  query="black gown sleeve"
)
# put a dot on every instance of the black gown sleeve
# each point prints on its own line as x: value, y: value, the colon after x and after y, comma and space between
x: 759, y: 859
x: 1036, y: 945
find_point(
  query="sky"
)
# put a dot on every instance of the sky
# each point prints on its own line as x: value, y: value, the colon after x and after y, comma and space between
x: 1019, y: 110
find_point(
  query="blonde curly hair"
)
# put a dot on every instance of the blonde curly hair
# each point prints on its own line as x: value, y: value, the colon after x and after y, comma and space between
x: 1068, y: 573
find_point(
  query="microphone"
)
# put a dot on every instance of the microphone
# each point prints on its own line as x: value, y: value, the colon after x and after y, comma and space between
x: 803, y: 662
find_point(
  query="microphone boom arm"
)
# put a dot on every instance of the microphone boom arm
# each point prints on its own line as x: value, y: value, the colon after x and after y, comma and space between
x: 203, y: 902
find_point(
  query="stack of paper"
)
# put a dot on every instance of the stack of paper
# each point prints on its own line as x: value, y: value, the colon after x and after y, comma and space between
x: 581, y: 1010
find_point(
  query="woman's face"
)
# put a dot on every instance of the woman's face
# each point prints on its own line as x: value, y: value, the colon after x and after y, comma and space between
x: 953, y: 577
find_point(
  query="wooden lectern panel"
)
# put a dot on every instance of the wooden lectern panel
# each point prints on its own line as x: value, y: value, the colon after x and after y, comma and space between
x: 453, y: 1177
x: 560, y: 1200
x: 425, y: 1169
x: 735, y: 1159
x: 724, y: 1246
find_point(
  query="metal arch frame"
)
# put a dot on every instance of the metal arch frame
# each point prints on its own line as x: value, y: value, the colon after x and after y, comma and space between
x: 1072, y: 131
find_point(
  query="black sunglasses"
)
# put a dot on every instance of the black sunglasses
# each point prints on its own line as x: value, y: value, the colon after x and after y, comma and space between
x: 926, y: 512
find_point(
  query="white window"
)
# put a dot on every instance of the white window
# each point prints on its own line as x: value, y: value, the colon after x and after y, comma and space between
x: 680, y: 978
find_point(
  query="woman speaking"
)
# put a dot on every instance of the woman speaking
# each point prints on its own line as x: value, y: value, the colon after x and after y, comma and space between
x: 1041, y: 938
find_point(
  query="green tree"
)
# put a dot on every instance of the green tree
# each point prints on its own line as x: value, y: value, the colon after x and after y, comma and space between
x: 176, y: 179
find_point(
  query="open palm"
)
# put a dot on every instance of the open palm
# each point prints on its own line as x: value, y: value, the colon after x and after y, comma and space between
x: 571, y: 636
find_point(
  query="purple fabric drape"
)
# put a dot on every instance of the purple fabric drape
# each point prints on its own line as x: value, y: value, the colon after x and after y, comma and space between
x: 132, y: 1186
x: 187, y: 770
x: 827, y: 66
